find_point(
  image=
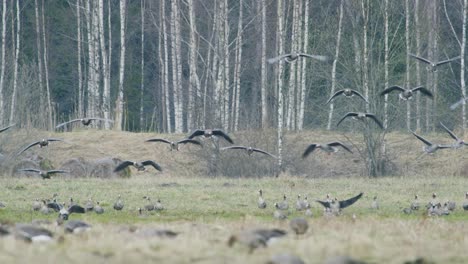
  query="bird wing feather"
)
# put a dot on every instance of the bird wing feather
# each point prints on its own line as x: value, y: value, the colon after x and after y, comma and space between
x: 423, y: 91
x: 449, y: 131
x: 337, y: 143
x: 377, y: 121
x: 345, y: 116
x: 192, y: 141
x: 68, y: 122
x: 425, y: 141
x: 57, y: 171
x: 317, y: 57
x: 263, y: 152
x: 325, y: 204
x: 391, y: 89
x: 309, y: 150
x: 350, y: 201
x: 5, y: 128
x: 278, y: 58
x: 76, y: 209
x: 152, y: 163
x: 196, y: 133
x: 123, y: 165
x: 420, y: 58
x: 334, y: 95
x: 158, y: 140
x: 360, y: 95
x: 29, y: 146
x: 218, y: 132
x: 447, y: 61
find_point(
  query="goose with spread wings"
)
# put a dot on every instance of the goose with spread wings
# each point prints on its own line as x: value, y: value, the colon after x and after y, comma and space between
x: 429, y: 146
x: 140, y: 166
x: 42, y: 143
x: 249, y: 150
x: 327, y: 147
x: 175, y: 144
x: 361, y: 116
x: 85, y: 121
x: 348, y: 93
x: 290, y: 57
x: 64, y: 212
x: 433, y: 64
x: 45, y: 174
x: 208, y: 133
x: 458, y: 141
x: 6, y: 128
x: 406, y: 94
x: 336, y: 206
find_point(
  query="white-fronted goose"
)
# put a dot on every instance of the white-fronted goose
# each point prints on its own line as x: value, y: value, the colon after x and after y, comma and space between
x: 326, y: 147
x: 348, y: 93
x: 283, y: 205
x: 458, y: 141
x: 434, y: 65
x: 375, y: 204
x: 429, y: 147
x: 42, y: 143
x: 98, y: 208
x: 407, y: 94
x: 85, y: 121
x: 361, y: 116
x: 249, y: 150
x: 118, y: 205
x: 44, y: 208
x: 299, y: 225
x: 175, y: 145
x: 140, y: 166
x: 415, y: 204
x: 44, y: 174
x: 465, y: 204
x: 305, y: 203
x: 261, y: 202
x: 208, y: 133
x: 32, y: 233
x: 336, y: 206
x: 299, y: 203
x: 285, y: 259
x: 290, y: 57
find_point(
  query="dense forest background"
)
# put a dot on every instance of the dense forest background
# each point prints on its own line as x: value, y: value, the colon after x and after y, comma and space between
x: 172, y: 66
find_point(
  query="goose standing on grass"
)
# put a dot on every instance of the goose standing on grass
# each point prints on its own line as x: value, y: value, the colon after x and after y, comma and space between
x: 118, y: 205
x: 407, y: 94
x: 36, y: 205
x: 98, y: 208
x: 415, y: 203
x: 434, y: 65
x: 361, y: 116
x: 76, y: 226
x: 158, y: 206
x: 451, y: 205
x: 283, y: 205
x: 336, y: 206
x: 375, y: 204
x: 42, y: 143
x: 175, y: 145
x: 293, y: 56
x: 299, y: 225
x: 278, y: 213
x: 299, y: 203
x: 327, y: 147
x: 465, y: 204
x: 149, y: 206
x: 89, y: 206
x: 458, y: 142
x: 305, y: 203
x: 44, y: 174
x: 140, y: 166
x: 261, y: 203
x: 348, y: 93
x: 249, y: 150
x: 32, y: 233
x: 208, y: 133
x: 84, y: 121
x: 429, y: 148
x: 44, y: 208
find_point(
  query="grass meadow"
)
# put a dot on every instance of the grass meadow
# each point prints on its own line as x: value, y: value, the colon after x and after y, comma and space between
x: 206, y: 211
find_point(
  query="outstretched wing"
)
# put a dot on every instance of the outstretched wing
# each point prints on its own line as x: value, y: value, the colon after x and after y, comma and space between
x: 54, y: 139
x: 449, y: 132
x: 68, y: 122
x: 276, y: 59
x: 422, y: 139
x: 196, y: 133
x: 123, y: 165
x: 345, y: 116
x: 152, y: 163
x: 192, y: 141
x: 30, y: 170
x: 420, y: 58
x: 57, y: 171
x: 6, y: 128
x: 317, y: 57
x: 101, y: 119
x: 391, y: 89
x: 325, y: 204
x: 76, y: 209
x: 54, y: 206
x: 264, y: 152
x: 360, y: 95
x: 309, y: 150
x: 158, y: 140
x: 459, y: 102
x: 29, y: 146
x: 234, y: 147
x: 377, y: 121
x: 350, y: 201
x: 447, y: 61
x: 218, y: 132
x: 337, y: 143
x: 424, y: 91
x: 335, y: 95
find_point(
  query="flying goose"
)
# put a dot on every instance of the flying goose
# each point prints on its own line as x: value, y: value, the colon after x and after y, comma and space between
x: 415, y: 203
x: 118, y: 205
x: 175, y: 145
x: 434, y: 65
x: 207, y: 133
x: 261, y: 202
x: 430, y: 148
x: 327, y: 147
x: 65, y: 212
x: 290, y: 57
x: 299, y: 225
x: 285, y: 259
x: 43, y: 173
x: 336, y: 206
x: 406, y: 94
x: 462, y: 101
x: 140, y: 166
x: 84, y: 121
x: 465, y: 204
x: 255, y: 238
x: 249, y: 150
x: 42, y: 143
x: 458, y: 142
x: 98, y: 208
x: 6, y: 128
x: 348, y: 93
x: 32, y: 233
x: 361, y: 116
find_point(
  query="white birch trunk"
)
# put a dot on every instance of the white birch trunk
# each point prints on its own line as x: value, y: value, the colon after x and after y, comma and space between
x: 96, y: 61
x: 263, y: 70
x: 178, y: 36
x: 300, y: 119
x: 408, y: 50
x: 166, y: 68
x: 142, y: 81
x: 418, y: 69
x: 462, y: 64
x: 46, y: 70
x: 80, y: 74
x: 90, y: 102
x: 177, y: 94
x: 218, y: 66
x: 105, y: 67
x: 194, y: 83
x: 365, y: 55
x: 335, y: 62
x: 15, y: 73
x: 280, y: 37
x: 290, y: 119
x: 237, y: 70
x: 386, y: 77
x: 2, y: 70
x: 226, y: 67
x: 120, y: 103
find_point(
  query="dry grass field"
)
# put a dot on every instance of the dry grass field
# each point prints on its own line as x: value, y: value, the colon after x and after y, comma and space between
x: 206, y: 211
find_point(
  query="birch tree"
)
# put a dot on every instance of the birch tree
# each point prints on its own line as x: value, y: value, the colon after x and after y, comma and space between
x: 365, y: 54
x: 120, y: 100
x: 80, y: 74
x: 462, y: 62
x: 386, y: 77
x: 142, y: 63
x: 408, y: 51
x: 290, y: 119
x: 226, y: 66
x: 418, y: 68
x: 194, y: 82
x: 15, y: 66
x: 303, y: 70
x: 237, y: 70
x: 2, y: 70
x: 280, y: 40
x: 263, y: 71
x: 165, y: 68
x: 46, y: 70
x: 105, y: 67
x: 176, y: 70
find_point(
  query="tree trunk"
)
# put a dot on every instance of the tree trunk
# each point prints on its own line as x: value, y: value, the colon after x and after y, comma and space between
x: 226, y: 67
x: 280, y: 39
x: 237, y: 70
x: 408, y: 50
x: 193, y: 112
x: 96, y: 66
x: 176, y: 71
x: 290, y: 119
x: 105, y: 67
x: 386, y: 66
x: 15, y: 73
x: 263, y: 71
x: 90, y: 102
x: 120, y: 100
x: 305, y: 48
x: 142, y: 81
x: 418, y: 69
x: 165, y: 67
x: 2, y: 70
x: 46, y: 70
x: 462, y: 65
x: 80, y: 74
x: 365, y: 55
